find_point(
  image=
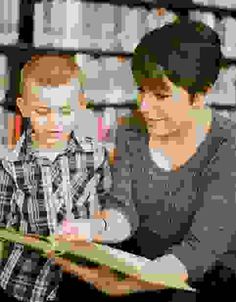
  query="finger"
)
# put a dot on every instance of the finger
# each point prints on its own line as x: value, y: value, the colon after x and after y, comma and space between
x: 62, y: 238
x: 31, y: 239
x: 70, y: 238
x: 135, y: 284
x: 116, y: 288
x: 83, y: 272
x: 50, y: 253
x: 108, y: 282
x: 184, y: 277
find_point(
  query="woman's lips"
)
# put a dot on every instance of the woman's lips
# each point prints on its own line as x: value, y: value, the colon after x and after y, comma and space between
x: 157, y: 119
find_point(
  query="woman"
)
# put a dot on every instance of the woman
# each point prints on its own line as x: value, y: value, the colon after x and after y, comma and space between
x: 174, y: 175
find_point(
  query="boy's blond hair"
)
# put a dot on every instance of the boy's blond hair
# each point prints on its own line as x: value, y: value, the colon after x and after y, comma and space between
x: 52, y: 70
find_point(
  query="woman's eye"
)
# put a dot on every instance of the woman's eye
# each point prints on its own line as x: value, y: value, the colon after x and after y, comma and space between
x: 140, y: 89
x: 162, y: 97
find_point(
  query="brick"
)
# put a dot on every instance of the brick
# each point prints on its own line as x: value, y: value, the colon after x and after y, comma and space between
x: 158, y: 18
x: 205, y: 17
x: 224, y: 92
x: 108, y: 79
x: 9, y: 21
x: 217, y: 3
x: 75, y: 24
x: 132, y: 28
x: 226, y: 30
x: 3, y: 77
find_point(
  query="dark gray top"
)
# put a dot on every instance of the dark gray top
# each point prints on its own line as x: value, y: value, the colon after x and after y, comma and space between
x: 190, y: 213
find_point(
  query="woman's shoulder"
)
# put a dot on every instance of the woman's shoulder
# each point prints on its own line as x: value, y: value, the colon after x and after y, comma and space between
x: 226, y: 128
x: 131, y: 135
x: 224, y: 132
x: 132, y: 125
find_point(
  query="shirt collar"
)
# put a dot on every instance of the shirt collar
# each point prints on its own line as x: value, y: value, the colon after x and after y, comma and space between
x: 25, y: 151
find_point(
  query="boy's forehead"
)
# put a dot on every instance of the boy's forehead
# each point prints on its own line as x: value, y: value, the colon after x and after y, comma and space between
x: 58, y: 96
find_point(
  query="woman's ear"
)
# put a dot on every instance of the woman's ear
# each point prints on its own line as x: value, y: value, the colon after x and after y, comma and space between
x: 20, y: 102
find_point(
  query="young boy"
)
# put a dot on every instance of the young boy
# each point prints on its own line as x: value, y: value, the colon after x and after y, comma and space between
x: 56, y: 178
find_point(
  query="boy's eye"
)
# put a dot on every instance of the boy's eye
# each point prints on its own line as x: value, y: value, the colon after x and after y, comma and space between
x: 42, y: 111
x: 66, y: 111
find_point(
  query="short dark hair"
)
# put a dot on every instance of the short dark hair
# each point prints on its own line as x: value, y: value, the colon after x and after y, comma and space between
x: 187, y: 52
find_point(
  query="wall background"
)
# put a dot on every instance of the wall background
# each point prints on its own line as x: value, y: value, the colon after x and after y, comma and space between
x: 102, y: 36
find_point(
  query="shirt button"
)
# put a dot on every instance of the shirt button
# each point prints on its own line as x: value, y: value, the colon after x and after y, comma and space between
x: 28, y: 266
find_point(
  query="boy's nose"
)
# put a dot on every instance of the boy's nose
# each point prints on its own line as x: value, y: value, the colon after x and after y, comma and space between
x: 55, y: 120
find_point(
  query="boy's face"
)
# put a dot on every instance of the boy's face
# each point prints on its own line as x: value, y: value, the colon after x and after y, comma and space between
x: 52, y: 112
x: 165, y: 107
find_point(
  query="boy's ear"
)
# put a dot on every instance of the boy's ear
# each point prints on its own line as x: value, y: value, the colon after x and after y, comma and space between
x: 20, y: 102
x: 82, y: 101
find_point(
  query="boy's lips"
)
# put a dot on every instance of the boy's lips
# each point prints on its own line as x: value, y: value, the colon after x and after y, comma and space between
x: 55, y: 133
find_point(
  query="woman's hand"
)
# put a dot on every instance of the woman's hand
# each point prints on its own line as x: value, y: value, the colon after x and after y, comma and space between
x: 105, y: 280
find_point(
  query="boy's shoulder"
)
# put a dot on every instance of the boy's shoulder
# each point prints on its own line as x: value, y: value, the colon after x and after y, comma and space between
x: 88, y: 144
x: 91, y: 146
x: 6, y: 173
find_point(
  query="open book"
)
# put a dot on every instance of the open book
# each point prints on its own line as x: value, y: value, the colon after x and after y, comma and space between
x: 118, y: 260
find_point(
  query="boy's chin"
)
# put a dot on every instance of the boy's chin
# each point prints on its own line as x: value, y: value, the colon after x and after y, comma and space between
x: 55, y: 137
x: 53, y: 143
x: 52, y: 140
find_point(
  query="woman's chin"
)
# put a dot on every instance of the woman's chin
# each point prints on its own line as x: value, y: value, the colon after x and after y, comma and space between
x: 163, y: 133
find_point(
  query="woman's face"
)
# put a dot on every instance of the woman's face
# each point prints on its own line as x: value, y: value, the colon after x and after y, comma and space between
x: 164, y: 106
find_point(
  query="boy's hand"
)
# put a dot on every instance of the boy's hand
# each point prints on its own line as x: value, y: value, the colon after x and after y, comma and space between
x: 81, y: 230
x: 32, y: 238
x: 105, y: 280
x: 75, y: 242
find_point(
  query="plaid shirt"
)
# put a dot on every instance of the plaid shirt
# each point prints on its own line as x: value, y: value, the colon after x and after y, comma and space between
x: 35, y: 195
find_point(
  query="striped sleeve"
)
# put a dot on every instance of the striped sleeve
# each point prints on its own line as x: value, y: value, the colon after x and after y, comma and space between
x: 7, y: 190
